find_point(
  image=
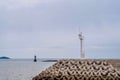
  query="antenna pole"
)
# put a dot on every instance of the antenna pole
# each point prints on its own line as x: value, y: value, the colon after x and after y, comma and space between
x: 81, y: 45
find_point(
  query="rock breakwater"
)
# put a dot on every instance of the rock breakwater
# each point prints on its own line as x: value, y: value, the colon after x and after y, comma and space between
x: 76, y: 69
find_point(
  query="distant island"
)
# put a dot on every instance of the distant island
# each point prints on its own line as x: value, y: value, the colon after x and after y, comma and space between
x: 4, y: 57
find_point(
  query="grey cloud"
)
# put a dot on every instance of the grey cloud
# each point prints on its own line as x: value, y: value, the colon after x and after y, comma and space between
x: 54, y: 25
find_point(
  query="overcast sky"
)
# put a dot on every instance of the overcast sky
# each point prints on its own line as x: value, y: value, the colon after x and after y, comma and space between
x: 50, y: 28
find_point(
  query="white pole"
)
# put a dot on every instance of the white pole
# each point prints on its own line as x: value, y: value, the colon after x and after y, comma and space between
x: 81, y: 45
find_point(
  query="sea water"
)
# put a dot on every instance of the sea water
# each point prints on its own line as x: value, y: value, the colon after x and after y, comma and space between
x: 22, y: 69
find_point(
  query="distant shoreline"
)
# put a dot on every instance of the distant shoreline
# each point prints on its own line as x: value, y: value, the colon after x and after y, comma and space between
x: 50, y: 61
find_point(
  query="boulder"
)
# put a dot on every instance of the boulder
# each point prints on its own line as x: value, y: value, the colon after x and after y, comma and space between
x: 77, y: 69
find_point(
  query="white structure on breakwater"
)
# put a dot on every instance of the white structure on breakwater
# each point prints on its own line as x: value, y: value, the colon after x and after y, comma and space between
x: 82, y: 53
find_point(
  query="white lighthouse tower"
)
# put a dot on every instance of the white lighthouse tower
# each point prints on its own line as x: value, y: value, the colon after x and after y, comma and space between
x: 82, y: 54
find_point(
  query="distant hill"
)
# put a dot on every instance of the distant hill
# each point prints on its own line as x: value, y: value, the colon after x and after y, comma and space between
x: 4, y: 57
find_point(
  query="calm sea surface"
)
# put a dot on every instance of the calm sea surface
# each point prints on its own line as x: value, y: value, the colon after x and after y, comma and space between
x: 15, y: 69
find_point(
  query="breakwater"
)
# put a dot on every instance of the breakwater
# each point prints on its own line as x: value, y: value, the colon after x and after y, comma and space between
x: 76, y: 69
